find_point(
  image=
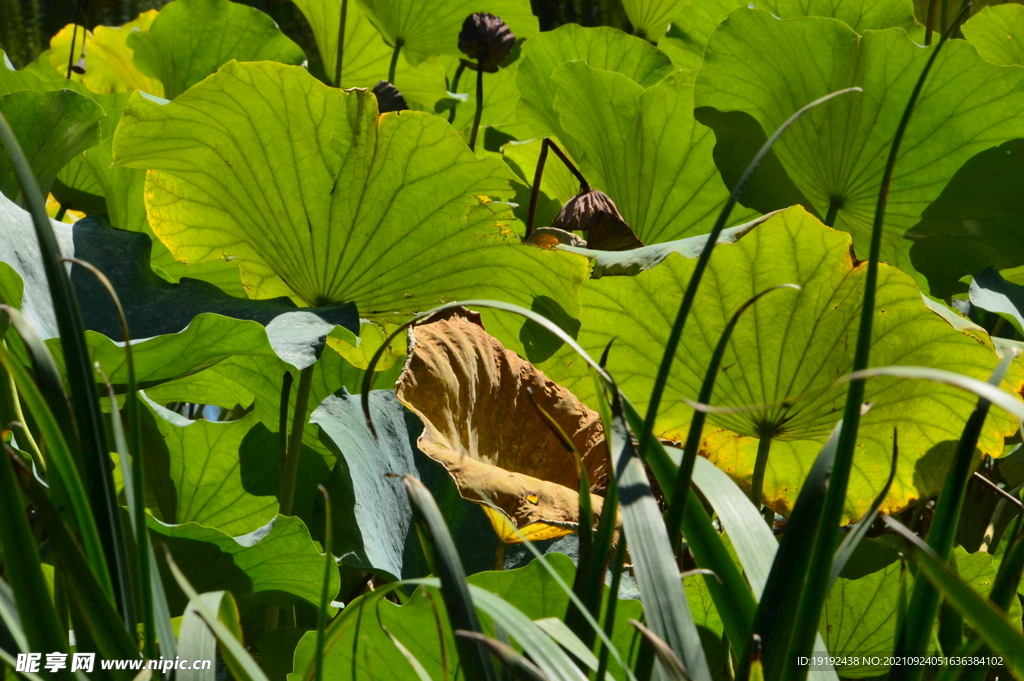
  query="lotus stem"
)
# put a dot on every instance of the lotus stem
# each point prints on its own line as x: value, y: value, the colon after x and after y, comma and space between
x: 325, y: 591
x: 25, y: 438
x: 455, y: 88
x: 394, y: 60
x: 538, y: 175
x: 479, y: 98
x: 929, y: 22
x: 273, y: 611
x: 341, y: 44
x: 833, y: 211
x: 764, y: 446
x: 499, y: 556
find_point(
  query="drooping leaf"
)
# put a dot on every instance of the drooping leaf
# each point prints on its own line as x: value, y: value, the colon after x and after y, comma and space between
x: 190, y: 39
x: 785, y: 354
x: 992, y: 292
x: 278, y: 563
x: 602, y: 48
x: 835, y: 155
x: 367, y: 57
x: 422, y: 626
x: 428, y: 27
x: 372, y: 518
x: 108, y: 60
x: 481, y: 423
x: 332, y: 220
x: 644, y: 149
x: 52, y: 128
x: 997, y: 32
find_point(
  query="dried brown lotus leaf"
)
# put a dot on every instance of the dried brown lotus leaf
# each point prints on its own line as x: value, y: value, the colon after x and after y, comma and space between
x: 481, y: 424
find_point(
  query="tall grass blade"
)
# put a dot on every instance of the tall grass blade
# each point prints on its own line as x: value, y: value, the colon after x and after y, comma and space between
x: 676, y: 334
x: 23, y: 568
x: 325, y: 589
x: 860, y: 530
x: 66, y: 487
x: 520, y: 667
x: 670, y: 664
x: 665, y: 606
x: 913, y: 638
x: 247, y: 669
x: 823, y: 545
x: 444, y: 561
x: 674, y: 518
x: 96, y: 468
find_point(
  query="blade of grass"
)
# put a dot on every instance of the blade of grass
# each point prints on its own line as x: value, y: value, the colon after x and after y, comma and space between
x: 676, y: 334
x: 520, y: 667
x: 925, y: 602
x: 674, y: 518
x: 991, y: 624
x: 852, y: 540
x: 665, y: 606
x: 69, y: 493
x: 325, y: 589
x: 128, y: 443
x: 23, y: 568
x: 95, y: 469
x: 670, y: 664
x: 444, y: 561
x: 822, y: 546
x: 250, y: 670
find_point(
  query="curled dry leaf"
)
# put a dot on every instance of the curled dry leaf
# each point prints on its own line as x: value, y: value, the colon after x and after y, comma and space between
x: 481, y: 424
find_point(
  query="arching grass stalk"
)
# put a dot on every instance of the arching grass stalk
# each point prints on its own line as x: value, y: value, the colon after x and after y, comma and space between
x: 341, y: 43
x: 702, y: 262
x: 674, y: 517
x: 813, y: 597
x: 399, y: 42
x: 88, y: 417
x: 538, y: 175
x: 135, y: 491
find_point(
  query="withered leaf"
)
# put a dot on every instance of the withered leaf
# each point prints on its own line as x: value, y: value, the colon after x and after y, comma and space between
x: 481, y: 424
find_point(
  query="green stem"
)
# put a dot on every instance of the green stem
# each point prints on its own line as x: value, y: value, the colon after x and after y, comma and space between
x: 833, y: 211
x: 61, y: 212
x: 929, y: 22
x: 291, y: 462
x: 479, y: 99
x: 341, y: 43
x: 325, y: 589
x: 764, y: 446
x: 455, y: 88
x: 394, y: 60
x: 25, y: 436
x: 538, y: 175
x: 613, y: 599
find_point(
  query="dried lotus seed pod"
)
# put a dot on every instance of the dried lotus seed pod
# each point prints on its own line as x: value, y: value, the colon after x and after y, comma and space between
x: 487, y: 39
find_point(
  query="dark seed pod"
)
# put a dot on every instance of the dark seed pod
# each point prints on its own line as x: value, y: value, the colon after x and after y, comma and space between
x: 592, y: 211
x: 389, y: 98
x: 487, y: 39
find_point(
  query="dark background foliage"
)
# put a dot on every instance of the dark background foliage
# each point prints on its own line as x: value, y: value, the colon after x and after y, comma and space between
x: 26, y: 25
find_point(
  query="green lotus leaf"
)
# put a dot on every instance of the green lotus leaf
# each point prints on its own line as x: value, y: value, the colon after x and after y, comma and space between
x: 190, y: 39
x: 52, y: 128
x: 602, y: 48
x: 12, y: 79
x: 223, y: 475
x: 979, y: 570
x: 429, y: 27
x: 997, y: 32
x: 530, y: 589
x: 277, y: 564
x: 859, y: 616
x: 109, y: 66
x: 644, y: 149
x: 367, y: 57
x: 697, y: 20
x: 650, y: 18
x: 836, y: 153
x: 388, y: 212
x: 786, y: 353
